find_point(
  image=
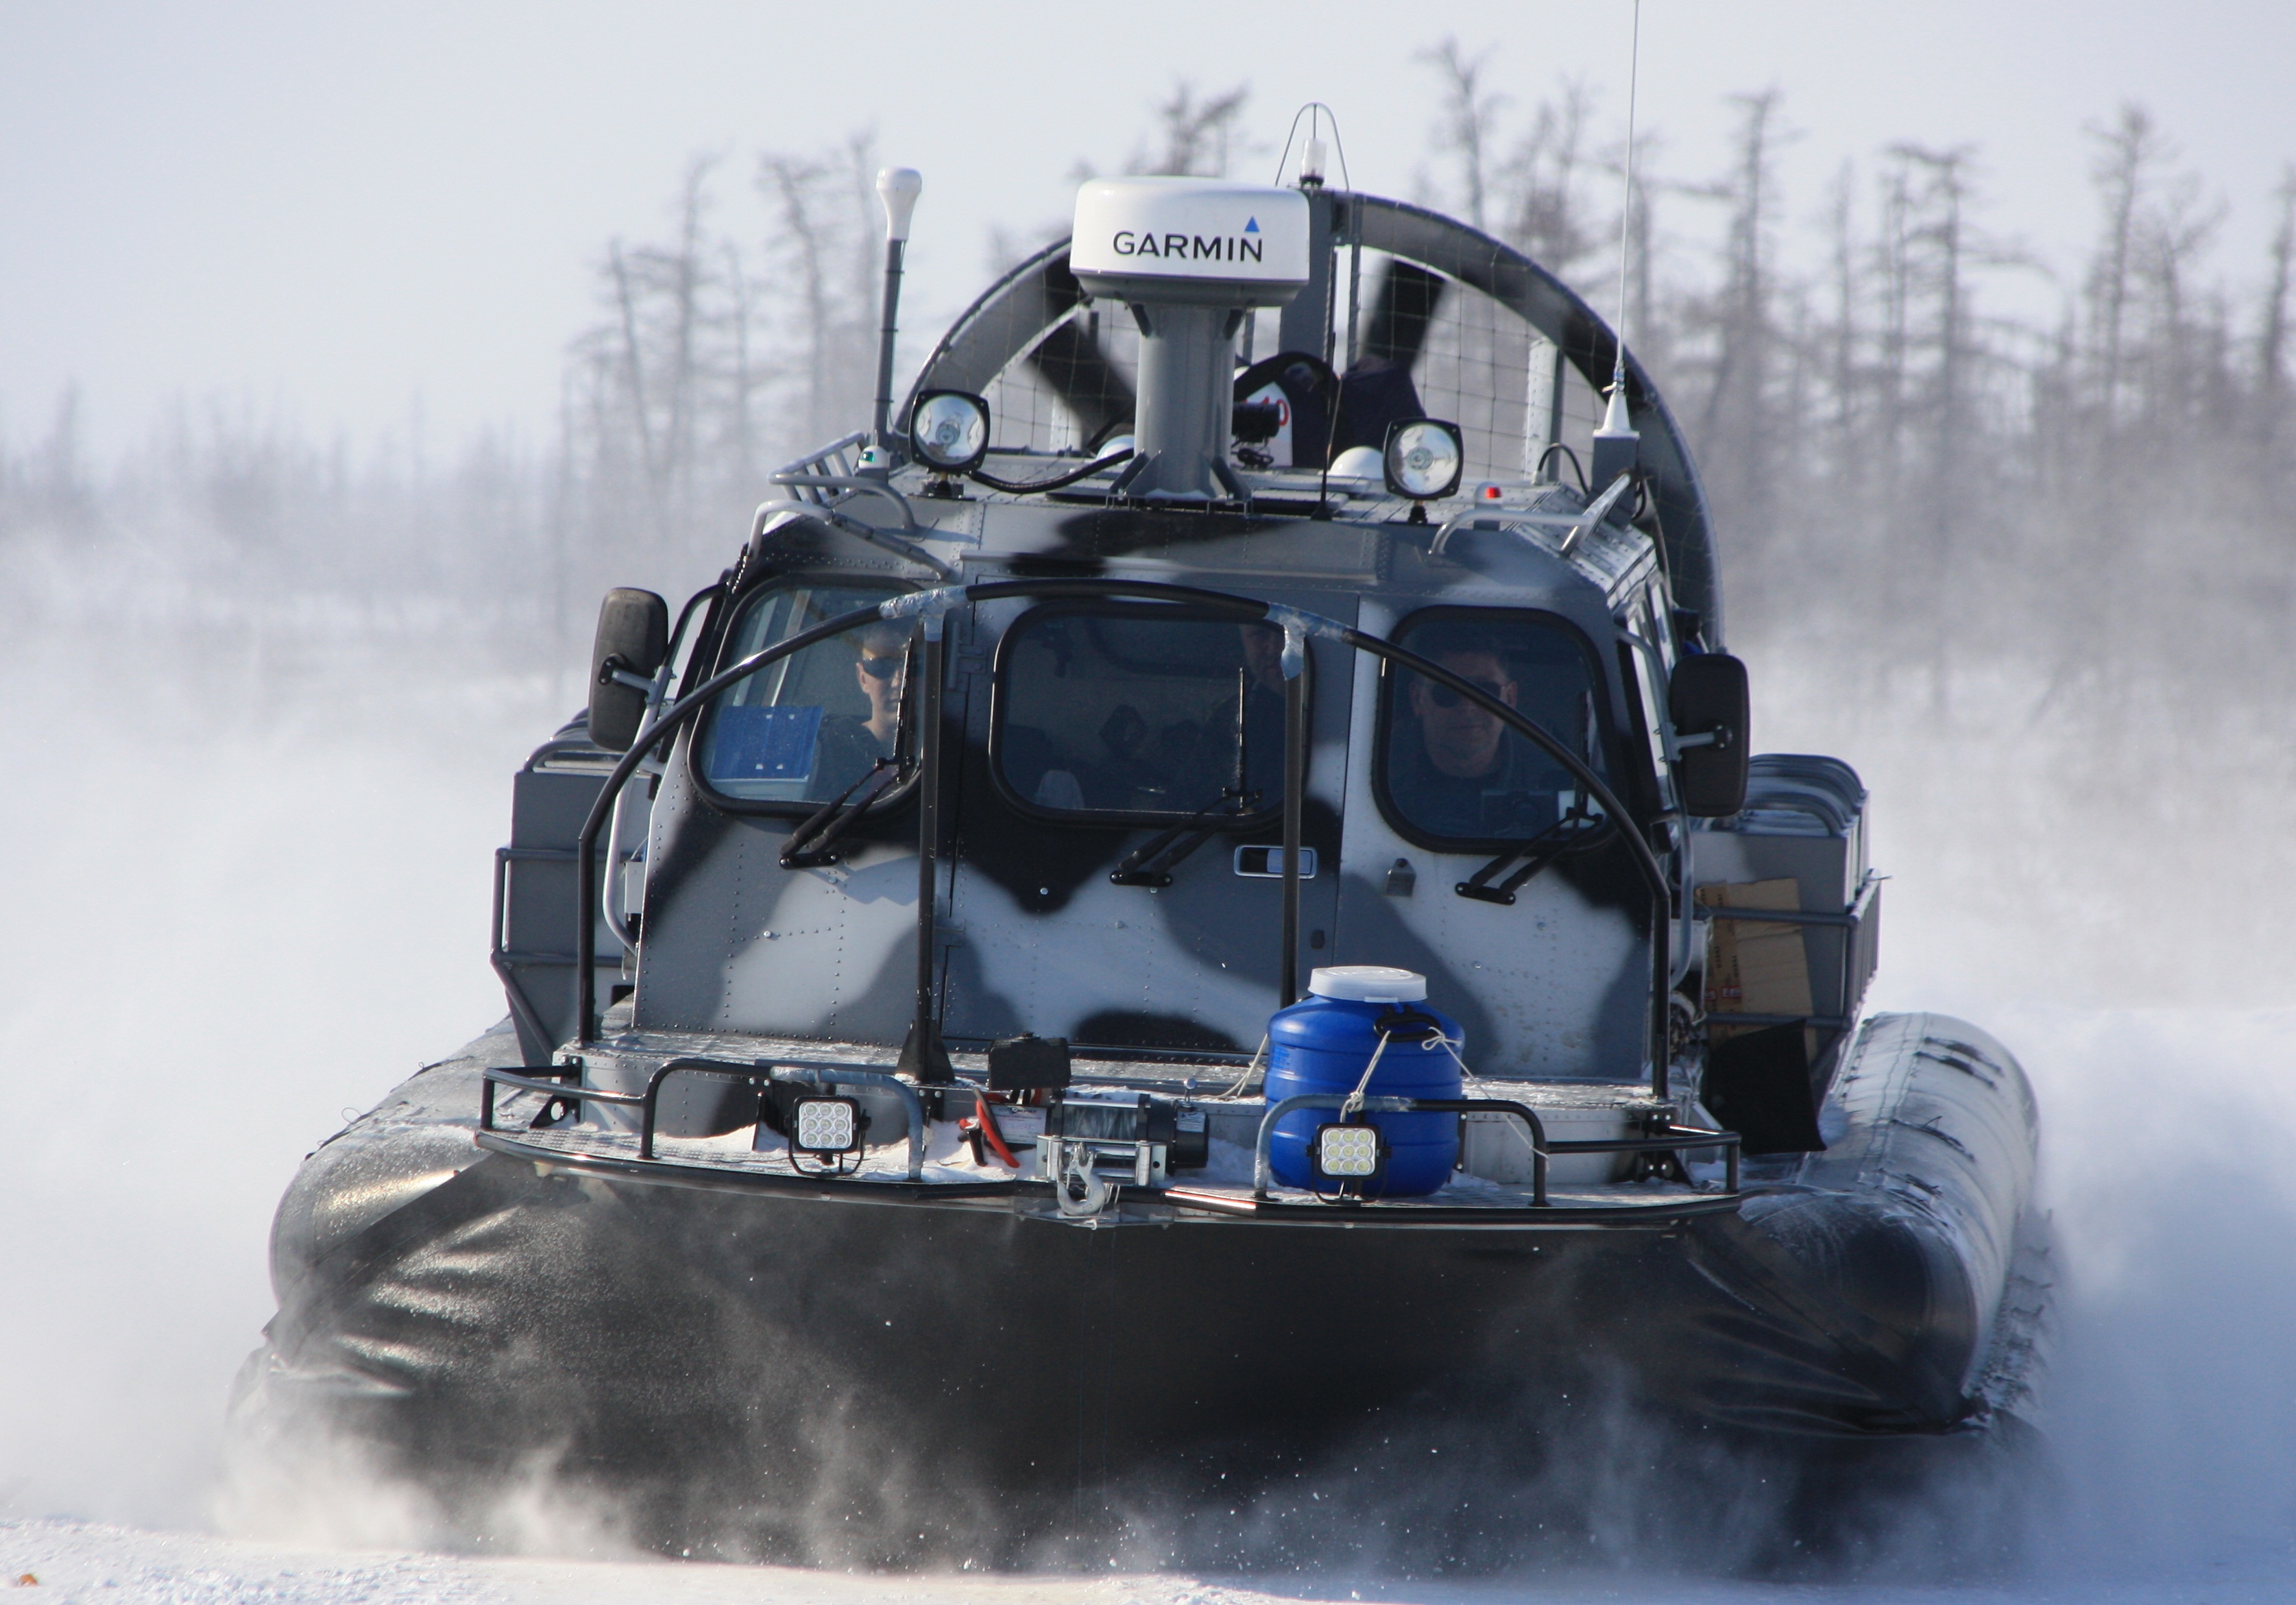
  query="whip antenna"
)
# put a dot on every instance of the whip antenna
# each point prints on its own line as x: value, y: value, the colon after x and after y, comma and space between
x: 1616, y: 443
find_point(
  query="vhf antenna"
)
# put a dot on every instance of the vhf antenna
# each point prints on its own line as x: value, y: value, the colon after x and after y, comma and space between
x: 1616, y: 443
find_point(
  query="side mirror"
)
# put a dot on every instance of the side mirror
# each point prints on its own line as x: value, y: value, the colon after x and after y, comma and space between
x: 632, y: 639
x: 1707, y: 698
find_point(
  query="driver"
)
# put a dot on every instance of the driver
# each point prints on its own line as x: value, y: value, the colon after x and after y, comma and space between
x: 1458, y: 770
x: 851, y: 746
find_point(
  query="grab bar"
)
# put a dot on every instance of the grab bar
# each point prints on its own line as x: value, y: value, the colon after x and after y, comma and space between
x: 1673, y: 1139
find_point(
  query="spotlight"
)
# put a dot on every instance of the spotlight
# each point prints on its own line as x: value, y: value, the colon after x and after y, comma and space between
x: 949, y: 430
x: 1422, y: 460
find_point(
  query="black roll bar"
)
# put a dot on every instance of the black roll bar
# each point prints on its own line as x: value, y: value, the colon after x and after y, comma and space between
x: 932, y: 1062
x: 931, y: 606
x: 1674, y: 1139
x: 1295, y: 782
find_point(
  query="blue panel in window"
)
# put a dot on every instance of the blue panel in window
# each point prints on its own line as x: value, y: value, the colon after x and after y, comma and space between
x: 763, y: 744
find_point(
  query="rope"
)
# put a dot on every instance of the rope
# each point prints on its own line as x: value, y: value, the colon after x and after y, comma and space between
x: 1354, y: 1105
x: 1451, y: 1045
x: 1244, y: 1080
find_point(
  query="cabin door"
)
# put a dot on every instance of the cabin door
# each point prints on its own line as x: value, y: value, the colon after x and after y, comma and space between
x: 1556, y: 984
x: 1119, y: 810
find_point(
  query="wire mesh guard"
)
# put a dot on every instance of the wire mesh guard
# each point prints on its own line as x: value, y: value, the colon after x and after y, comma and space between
x: 1472, y: 360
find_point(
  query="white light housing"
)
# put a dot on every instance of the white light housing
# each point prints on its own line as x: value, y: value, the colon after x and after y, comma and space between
x: 898, y: 188
x: 825, y: 1125
x: 949, y: 430
x: 1311, y: 162
x: 1423, y: 459
x: 1348, y: 1153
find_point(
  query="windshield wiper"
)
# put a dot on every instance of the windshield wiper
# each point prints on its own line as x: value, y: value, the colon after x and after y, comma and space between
x: 1153, y: 861
x: 1537, y: 852
x: 814, y: 843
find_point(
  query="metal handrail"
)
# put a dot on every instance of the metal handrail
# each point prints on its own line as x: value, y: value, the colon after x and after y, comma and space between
x: 835, y: 1074
x: 828, y: 1072
x: 834, y: 454
x: 1673, y: 1139
x: 576, y: 1094
x: 1263, y: 1163
x: 648, y: 1102
x: 853, y: 484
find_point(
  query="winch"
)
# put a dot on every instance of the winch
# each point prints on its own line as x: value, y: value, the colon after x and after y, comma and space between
x: 1143, y: 1137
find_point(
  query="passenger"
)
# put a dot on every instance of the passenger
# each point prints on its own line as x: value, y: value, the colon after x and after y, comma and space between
x: 851, y: 746
x: 1457, y: 769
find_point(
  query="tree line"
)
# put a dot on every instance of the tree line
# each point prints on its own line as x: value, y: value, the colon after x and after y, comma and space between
x: 1896, y: 464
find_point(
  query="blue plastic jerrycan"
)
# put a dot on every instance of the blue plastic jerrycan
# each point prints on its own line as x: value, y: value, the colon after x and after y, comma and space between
x: 1322, y: 1043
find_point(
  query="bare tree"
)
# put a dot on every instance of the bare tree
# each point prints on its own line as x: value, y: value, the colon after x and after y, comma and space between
x: 796, y: 182
x: 2271, y: 345
x: 1736, y: 417
x: 1539, y: 181
x: 829, y: 240
x: 1200, y: 136
x: 2128, y: 151
x: 1468, y: 111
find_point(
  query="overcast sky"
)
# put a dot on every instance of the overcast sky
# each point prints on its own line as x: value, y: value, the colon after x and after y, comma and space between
x: 326, y: 212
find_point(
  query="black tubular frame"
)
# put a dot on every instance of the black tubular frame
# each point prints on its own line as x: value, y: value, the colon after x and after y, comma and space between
x: 925, y: 604
x: 759, y: 1077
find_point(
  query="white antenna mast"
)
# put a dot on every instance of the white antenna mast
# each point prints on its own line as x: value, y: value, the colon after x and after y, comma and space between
x: 1616, y: 443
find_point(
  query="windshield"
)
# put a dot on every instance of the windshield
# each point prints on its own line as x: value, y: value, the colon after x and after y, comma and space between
x: 808, y: 728
x: 1451, y: 771
x: 1133, y: 710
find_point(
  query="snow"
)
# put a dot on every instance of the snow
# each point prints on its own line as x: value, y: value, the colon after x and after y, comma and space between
x: 239, y: 910
x: 83, y: 1563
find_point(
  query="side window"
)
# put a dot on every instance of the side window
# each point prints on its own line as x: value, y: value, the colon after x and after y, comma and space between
x: 1133, y: 710
x: 1449, y: 772
x: 824, y: 722
x: 1645, y: 653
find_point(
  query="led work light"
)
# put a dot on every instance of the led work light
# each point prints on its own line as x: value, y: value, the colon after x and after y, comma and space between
x: 1349, y: 1153
x: 825, y: 1127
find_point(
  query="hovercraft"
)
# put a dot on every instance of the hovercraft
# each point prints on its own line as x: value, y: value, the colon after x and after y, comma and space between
x: 1203, y: 879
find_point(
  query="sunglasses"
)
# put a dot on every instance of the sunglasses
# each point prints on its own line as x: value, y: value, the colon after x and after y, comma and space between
x: 1443, y: 696
x: 883, y: 668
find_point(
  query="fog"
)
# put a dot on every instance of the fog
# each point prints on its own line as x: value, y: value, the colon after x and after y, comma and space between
x: 2030, y: 570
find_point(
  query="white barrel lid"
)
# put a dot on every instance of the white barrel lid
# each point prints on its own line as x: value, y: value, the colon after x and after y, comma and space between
x: 1368, y: 984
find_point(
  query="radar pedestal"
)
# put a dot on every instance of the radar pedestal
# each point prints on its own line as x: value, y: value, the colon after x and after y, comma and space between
x: 1192, y: 259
